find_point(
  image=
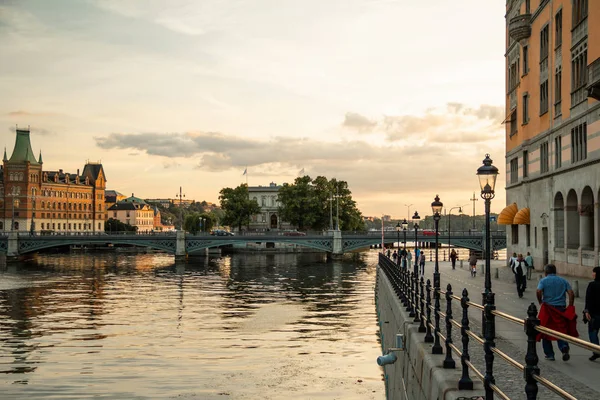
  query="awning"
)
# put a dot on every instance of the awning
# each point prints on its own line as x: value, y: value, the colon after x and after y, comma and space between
x: 507, y: 215
x: 509, y: 117
x: 522, y: 217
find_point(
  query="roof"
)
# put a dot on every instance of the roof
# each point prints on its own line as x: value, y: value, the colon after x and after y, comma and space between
x: 23, y: 151
x: 128, y: 206
x: 62, y: 177
x: 93, y: 171
x: 133, y: 199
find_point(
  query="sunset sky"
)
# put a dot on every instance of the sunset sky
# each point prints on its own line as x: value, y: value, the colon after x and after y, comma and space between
x: 400, y: 98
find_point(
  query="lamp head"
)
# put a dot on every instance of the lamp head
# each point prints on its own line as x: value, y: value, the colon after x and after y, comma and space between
x: 437, y: 206
x: 487, y: 175
x: 416, y: 219
x: 398, y: 227
x: 404, y: 224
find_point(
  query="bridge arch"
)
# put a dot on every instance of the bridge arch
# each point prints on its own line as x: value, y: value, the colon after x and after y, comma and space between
x: 29, y: 246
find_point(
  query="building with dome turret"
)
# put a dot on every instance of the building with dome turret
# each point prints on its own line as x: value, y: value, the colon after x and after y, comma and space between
x: 36, y: 200
x: 135, y: 212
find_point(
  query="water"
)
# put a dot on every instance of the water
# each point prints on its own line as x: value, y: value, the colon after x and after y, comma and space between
x: 139, y: 326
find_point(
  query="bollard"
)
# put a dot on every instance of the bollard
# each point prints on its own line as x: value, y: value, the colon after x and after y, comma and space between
x: 576, y: 288
x: 496, y: 273
x: 461, y: 264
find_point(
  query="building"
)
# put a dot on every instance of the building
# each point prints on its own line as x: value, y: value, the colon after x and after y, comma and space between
x: 166, y: 203
x: 33, y: 199
x: 135, y: 212
x: 112, y: 197
x: 268, y: 218
x: 553, y: 132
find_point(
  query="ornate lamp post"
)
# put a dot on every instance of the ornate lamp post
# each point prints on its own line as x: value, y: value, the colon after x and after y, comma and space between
x: 436, y: 207
x: 398, y: 228
x: 404, y: 229
x: 416, y: 218
x: 487, y: 175
x: 449, y: 220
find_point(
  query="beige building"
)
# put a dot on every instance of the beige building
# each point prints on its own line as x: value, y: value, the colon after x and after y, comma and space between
x: 268, y: 218
x: 553, y: 132
x: 135, y: 212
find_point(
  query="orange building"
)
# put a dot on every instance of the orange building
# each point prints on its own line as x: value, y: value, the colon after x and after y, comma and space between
x: 36, y: 200
x: 553, y: 132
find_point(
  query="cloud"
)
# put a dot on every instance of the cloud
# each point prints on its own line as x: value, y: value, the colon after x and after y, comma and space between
x: 21, y: 113
x: 359, y: 122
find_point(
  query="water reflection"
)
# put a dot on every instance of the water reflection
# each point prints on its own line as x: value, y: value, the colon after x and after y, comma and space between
x: 124, y: 325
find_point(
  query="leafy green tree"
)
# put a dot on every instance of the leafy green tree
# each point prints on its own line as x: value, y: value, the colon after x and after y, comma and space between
x: 314, y: 203
x: 114, y: 225
x: 237, y: 206
x: 193, y: 222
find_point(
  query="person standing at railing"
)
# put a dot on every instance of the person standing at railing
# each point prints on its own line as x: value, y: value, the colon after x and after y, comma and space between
x: 453, y: 257
x: 402, y: 257
x: 592, y: 309
x: 408, y: 259
x: 422, y: 263
x: 552, y: 292
x: 529, y: 261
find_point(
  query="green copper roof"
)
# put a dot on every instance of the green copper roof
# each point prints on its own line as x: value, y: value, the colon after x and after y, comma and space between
x: 40, y: 160
x: 133, y: 199
x: 23, y: 151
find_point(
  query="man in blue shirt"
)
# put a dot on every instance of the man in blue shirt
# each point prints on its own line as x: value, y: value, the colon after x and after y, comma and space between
x: 552, y: 290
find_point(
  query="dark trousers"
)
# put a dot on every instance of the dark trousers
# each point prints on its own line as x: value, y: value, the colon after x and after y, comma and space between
x: 593, y: 330
x: 521, y: 284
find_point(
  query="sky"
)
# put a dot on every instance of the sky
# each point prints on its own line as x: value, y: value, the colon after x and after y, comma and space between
x: 400, y: 98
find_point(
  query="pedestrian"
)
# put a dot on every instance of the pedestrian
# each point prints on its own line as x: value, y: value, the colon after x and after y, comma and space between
x: 552, y: 292
x: 395, y: 257
x: 388, y: 253
x: 591, y: 310
x: 402, y: 256
x: 422, y: 263
x: 529, y: 261
x: 512, y: 260
x: 408, y: 260
x: 473, y: 264
x: 519, y: 268
x: 453, y: 257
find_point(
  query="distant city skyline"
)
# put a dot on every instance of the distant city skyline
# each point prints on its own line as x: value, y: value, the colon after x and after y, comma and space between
x: 395, y: 98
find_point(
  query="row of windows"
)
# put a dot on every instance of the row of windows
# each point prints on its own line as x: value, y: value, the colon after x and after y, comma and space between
x: 70, y: 216
x: 66, y: 195
x: 578, y: 153
x: 57, y: 226
x: 63, y: 206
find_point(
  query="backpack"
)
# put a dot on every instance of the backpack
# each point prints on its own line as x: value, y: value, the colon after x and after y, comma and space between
x: 519, y: 269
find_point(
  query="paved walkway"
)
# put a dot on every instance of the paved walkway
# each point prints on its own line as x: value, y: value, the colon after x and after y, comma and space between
x: 579, y: 376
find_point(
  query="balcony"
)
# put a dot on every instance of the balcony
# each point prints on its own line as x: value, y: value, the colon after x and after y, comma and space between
x: 519, y: 28
x: 593, y: 88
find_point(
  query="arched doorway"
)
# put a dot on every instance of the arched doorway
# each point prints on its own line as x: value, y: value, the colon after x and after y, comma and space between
x: 559, y: 220
x: 586, y: 213
x: 572, y: 216
x: 273, y: 221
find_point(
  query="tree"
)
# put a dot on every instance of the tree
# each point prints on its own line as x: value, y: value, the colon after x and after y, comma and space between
x: 237, y: 206
x: 314, y: 203
x: 193, y: 222
x: 114, y: 225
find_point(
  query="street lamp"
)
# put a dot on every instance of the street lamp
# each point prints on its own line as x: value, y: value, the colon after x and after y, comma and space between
x: 436, y: 207
x: 330, y: 200
x: 32, y: 227
x: 398, y: 228
x: 416, y: 218
x: 487, y: 175
x: 449, y: 223
x: 337, y: 207
x: 408, y: 211
x: 404, y: 228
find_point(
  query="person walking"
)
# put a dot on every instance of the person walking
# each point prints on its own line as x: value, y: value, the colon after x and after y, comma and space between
x: 453, y: 257
x: 473, y: 264
x: 422, y: 263
x: 592, y: 309
x: 529, y: 261
x: 402, y: 257
x: 512, y: 260
x: 395, y: 257
x: 552, y: 293
x: 388, y: 253
x: 408, y: 260
x: 519, y: 268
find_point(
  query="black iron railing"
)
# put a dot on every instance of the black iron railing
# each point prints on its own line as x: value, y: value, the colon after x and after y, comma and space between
x: 406, y: 287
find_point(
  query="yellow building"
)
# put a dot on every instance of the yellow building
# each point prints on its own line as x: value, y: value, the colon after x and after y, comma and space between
x: 33, y: 199
x: 135, y: 212
x: 553, y: 132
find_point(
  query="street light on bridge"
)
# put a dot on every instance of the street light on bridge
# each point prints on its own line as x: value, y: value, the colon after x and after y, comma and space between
x: 436, y: 207
x: 398, y: 228
x: 487, y: 175
x: 404, y: 229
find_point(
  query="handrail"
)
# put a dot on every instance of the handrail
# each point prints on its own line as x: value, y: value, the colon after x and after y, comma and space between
x: 568, y: 338
x: 553, y: 387
x: 509, y: 317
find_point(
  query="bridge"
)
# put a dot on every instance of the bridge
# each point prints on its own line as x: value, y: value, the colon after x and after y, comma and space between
x: 180, y: 243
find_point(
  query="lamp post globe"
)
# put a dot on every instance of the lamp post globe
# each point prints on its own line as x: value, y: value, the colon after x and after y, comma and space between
x: 416, y: 219
x: 487, y: 175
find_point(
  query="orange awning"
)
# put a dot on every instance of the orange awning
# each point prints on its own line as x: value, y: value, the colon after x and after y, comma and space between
x: 507, y: 215
x: 522, y: 217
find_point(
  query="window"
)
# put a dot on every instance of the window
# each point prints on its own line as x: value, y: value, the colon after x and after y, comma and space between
x: 580, y: 11
x: 558, y: 28
x: 578, y: 72
x: 579, y: 143
x: 544, y: 97
x: 514, y: 170
x: 513, y: 76
x: 544, y: 41
x: 525, y: 108
x: 513, y: 123
x: 515, y: 234
x: 528, y: 235
x: 525, y: 164
x: 544, y: 159
x: 557, y: 152
x: 525, y: 60
x: 558, y: 91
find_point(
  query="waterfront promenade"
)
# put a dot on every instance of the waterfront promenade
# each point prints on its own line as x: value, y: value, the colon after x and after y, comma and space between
x: 579, y: 376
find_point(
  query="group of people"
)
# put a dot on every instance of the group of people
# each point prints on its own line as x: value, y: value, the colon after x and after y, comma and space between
x: 522, y: 268
x: 404, y: 258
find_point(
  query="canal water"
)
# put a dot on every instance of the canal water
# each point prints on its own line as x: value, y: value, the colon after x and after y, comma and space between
x: 140, y: 326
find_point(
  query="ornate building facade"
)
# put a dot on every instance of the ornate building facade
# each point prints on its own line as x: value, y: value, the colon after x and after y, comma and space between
x: 553, y: 132
x: 135, y: 212
x: 268, y: 218
x: 36, y: 200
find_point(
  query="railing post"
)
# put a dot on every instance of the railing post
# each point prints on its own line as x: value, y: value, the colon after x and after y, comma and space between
x: 437, y: 347
x: 417, y: 315
x: 488, y: 344
x: 412, y: 295
x: 465, y: 382
x: 531, y: 358
x: 449, y: 361
x: 422, y: 324
x: 428, y: 335
x: 408, y: 294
